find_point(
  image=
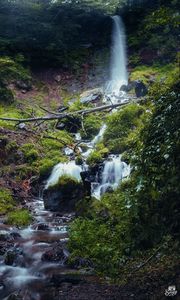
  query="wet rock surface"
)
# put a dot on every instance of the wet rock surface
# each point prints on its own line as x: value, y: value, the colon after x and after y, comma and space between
x: 63, y: 198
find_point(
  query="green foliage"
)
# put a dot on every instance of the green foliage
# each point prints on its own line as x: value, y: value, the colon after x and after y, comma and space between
x: 6, y: 200
x: 79, y: 160
x: 9, y: 71
x: 45, y: 166
x: 94, y: 158
x: 143, y: 210
x: 105, y: 237
x: 122, y: 128
x: 97, y: 155
x: 30, y: 152
x: 92, y: 124
x: 25, y: 171
x: 157, y: 33
x: 57, y: 30
x: 147, y: 74
x: 20, y: 217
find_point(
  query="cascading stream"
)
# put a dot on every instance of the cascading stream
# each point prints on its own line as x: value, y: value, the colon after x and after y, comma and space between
x: 29, y: 270
x: 114, y: 169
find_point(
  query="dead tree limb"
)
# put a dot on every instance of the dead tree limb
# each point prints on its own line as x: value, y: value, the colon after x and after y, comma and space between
x: 64, y: 115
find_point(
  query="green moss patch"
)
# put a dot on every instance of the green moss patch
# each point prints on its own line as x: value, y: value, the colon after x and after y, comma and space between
x: 6, y: 200
x: 20, y: 217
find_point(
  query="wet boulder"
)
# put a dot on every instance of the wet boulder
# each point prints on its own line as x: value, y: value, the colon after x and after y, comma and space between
x: 4, y: 236
x: 140, y: 89
x: 56, y: 254
x: 93, y: 95
x: 70, y: 123
x: 124, y: 88
x: 10, y: 257
x: 64, y: 195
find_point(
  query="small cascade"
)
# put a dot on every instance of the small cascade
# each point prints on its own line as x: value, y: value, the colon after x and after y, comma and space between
x: 119, y: 75
x: 96, y: 140
x: 113, y: 173
x: 70, y: 168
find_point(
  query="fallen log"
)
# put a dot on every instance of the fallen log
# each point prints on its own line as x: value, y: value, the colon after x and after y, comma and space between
x: 64, y: 115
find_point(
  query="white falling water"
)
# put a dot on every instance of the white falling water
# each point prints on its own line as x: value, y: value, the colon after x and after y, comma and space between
x: 69, y: 168
x: 96, y: 139
x: 118, y: 69
x: 113, y: 173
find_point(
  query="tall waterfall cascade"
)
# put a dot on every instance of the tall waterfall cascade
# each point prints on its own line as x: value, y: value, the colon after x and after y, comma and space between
x: 118, y: 63
x: 114, y: 170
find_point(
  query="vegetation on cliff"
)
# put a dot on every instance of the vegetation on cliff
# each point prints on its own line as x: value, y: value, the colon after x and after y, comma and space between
x: 141, y: 218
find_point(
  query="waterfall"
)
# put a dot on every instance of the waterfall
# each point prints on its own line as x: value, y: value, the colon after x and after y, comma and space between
x: 118, y: 64
x: 114, y: 169
x: 70, y: 169
x: 113, y: 173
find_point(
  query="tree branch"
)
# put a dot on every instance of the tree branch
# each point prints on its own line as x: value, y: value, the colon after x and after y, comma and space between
x: 64, y: 115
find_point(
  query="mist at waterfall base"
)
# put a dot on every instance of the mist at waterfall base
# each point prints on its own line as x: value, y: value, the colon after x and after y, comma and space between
x: 114, y: 170
x: 118, y: 62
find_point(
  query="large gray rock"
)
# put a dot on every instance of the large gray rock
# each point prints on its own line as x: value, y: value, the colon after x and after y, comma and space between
x: 93, y: 95
x: 140, y: 89
x: 64, y: 195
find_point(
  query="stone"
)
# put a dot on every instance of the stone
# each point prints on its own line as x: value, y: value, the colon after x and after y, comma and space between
x: 79, y: 263
x: 10, y: 257
x: 42, y: 226
x: 93, y: 95
x: 64, y: 196
x: 58, y: 78
x: 4, y: 236
x: 71, y: 123
x: 56, y: 254
x: 24, y: 86
x: 140, y: 89
x: 124, y: 88
x: 22, y: 126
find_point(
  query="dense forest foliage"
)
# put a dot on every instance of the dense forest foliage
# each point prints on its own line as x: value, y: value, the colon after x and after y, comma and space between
x: 142, y: 215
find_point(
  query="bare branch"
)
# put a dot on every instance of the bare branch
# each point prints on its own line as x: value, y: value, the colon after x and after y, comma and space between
x: 63, y: 115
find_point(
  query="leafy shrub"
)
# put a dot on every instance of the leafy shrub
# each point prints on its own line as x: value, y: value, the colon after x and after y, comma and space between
x: 20, y: 217
x: 120, y: 125
x: 92, y: 124
x: 6, y: 200
x: 45, y: 167
x: 9, y: 71
x: 30, y: 152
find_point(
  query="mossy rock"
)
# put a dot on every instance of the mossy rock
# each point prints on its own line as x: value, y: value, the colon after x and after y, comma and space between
x: 79, y: 160
x: 94, y: 158
x: 92, y: 125
x: 64, y: 195
x: 30, y: 152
